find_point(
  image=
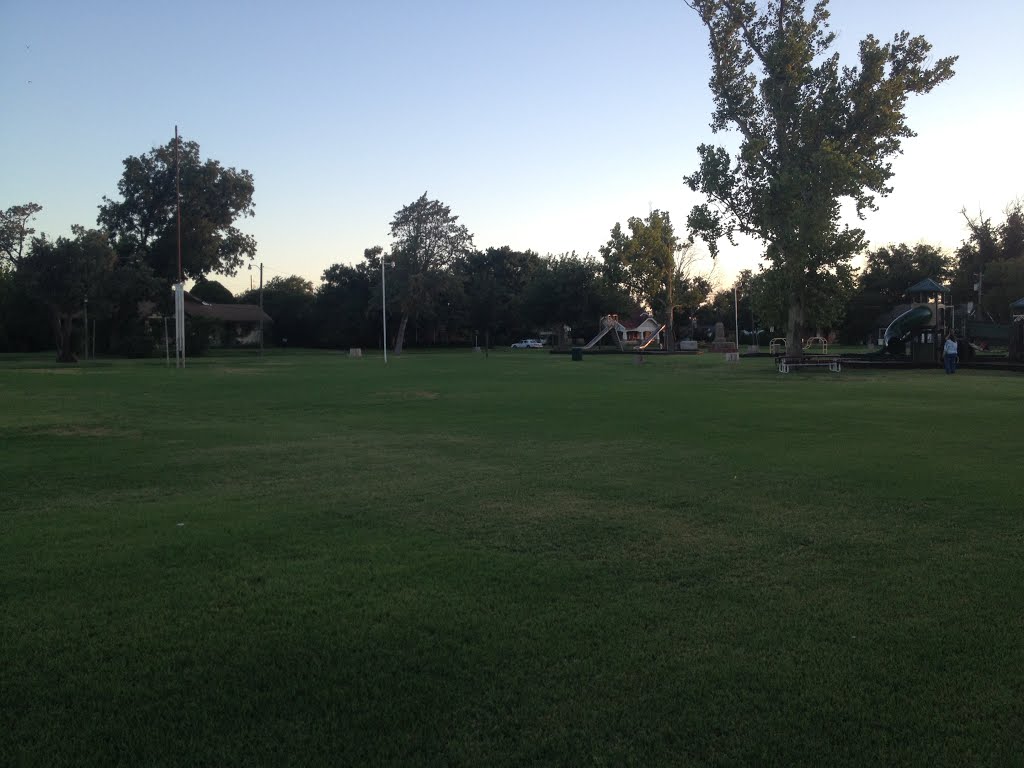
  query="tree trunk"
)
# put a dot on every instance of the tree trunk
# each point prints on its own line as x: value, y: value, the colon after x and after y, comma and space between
x: 795, y: 328
x: 670, y: 329
x: 62, y: 330
x: 400, y: 336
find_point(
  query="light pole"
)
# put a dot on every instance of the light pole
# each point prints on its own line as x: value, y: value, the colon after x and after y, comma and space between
x: 384, y: 307
x: 736, y: 308
x: 86, y: 327
x: 261, y: 309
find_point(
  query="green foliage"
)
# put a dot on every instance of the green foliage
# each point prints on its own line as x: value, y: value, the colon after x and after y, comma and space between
x: 291, y: 302
x: 343, y: 304
x: 143, y: 223
x: 24, y: 321
x: 993, y: 255
x: 427, y: 239
x: 883, y: 283
x: 653, y: 266
x: 63, y: 274
x: 494, y: 285
x: 643, y: 261
x: 212, y: 292
x: 15, y: 233
x: 570, y: 290
x: 812, y: 134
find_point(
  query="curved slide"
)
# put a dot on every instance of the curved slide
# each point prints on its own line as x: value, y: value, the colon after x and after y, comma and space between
x: 900, y: 328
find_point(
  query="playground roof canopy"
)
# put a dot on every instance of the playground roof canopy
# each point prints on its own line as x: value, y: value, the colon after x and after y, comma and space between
x: 927, y: 286
x: 232, y: 313
x: 1018, y: 304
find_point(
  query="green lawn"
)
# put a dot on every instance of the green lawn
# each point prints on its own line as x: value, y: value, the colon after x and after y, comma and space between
x: 308, y: 559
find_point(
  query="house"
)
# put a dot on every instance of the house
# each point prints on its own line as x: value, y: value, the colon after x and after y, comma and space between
x: 241, y: 322
x: 633, y: 331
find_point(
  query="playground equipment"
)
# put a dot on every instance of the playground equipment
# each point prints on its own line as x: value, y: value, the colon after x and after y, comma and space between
x: 817, y: 340
x: 607, y: 324
x: 652, y: 338
x: 924, y: 325
x: 610, y: 324
x: 900, y: 329
x: 778, y: 344
x: 1016, y: 345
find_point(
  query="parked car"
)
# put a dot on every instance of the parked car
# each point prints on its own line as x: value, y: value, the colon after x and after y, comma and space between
x: 528, y: 344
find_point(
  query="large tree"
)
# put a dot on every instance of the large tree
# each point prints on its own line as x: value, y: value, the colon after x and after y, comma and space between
x: 143, y: 222
x: 494, y: 283
x: 570, y: 290
x: 343, y: 304
x: 990, y: 264
x: 427, y: 240
x: 812, y: 134
x: 291, y: 302
x: 64, y: 274
x: 652, y: 264
x: 15, y: 232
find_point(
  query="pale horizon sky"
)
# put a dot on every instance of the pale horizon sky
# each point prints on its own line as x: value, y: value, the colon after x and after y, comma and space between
x: 541, y: 123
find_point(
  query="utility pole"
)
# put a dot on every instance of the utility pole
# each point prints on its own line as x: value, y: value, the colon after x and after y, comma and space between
x: 261, y: 309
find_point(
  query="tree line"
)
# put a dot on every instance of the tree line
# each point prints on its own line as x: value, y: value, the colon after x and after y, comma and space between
x: 441, y: 290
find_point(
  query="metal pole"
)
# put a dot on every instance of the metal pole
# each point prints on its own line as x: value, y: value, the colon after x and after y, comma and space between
x: 179, y: 289
x: 261, y: 309
x: 384, y: 307
x: 179, y: 325
x: 177, y: 197
x: 736, y: 307
x: 86, y: 310
x: 754, y: 341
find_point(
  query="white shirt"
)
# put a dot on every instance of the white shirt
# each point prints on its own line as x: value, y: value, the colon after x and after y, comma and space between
x: 949, y: 347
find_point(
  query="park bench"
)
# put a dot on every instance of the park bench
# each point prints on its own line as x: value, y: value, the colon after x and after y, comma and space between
x: 787, y: 364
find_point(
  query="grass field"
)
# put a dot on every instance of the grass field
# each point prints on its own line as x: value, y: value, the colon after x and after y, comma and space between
x: 309, y: 560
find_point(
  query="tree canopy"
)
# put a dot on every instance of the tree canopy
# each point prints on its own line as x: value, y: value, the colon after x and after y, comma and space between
x: 15, y: 232
x: 427, y: 239
x: 812, y: 134
x: 64, y: 273
x: 990, y: 263
x: 143, y: 222
x: 651, y: 263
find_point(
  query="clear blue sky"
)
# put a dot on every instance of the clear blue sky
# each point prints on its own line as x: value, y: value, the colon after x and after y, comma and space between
x: 540, y: 122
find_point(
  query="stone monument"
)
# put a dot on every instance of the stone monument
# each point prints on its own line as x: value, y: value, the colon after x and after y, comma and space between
x: 720, y: 344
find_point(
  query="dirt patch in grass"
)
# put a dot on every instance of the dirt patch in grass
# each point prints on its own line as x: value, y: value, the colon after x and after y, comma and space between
x: 82, y: 431
x: 407, y: 395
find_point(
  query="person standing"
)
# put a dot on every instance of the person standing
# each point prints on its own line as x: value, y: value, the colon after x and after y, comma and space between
x: 949, y: 352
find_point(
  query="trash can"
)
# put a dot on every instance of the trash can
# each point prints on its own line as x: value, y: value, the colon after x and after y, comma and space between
x: 577, y: 353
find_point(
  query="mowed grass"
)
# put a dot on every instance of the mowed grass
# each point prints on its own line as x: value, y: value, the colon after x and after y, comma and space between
x: 308, y: 560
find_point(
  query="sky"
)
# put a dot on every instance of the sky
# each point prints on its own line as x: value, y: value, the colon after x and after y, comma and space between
x: 541, y: 123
